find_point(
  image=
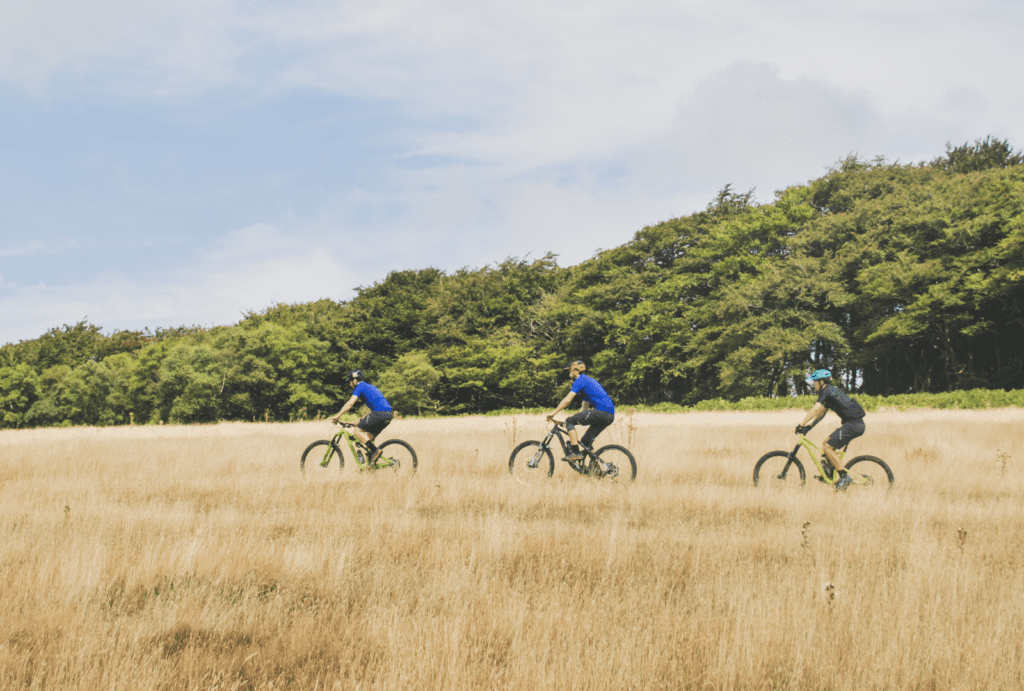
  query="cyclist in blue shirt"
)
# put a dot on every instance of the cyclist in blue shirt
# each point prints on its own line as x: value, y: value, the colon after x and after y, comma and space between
x: 830, y: 397
x: 597, y: 411
x: 376, y: 420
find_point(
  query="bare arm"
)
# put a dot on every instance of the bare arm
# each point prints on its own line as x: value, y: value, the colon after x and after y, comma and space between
x: 345, y: 408
x: 815, y: 413
x: 561, y: 406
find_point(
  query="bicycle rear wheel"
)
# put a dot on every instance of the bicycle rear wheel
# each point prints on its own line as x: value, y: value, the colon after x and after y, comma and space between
x: 621, y: 465
x: 397, y: 456
x: 530, y: 464
x: 870, y: 472
x: 774, y: 469
x: 320, y: 455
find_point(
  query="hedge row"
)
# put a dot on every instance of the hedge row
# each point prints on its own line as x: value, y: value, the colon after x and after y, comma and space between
x: 974, y: 399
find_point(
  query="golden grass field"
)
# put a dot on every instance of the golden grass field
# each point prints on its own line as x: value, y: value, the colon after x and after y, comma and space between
x: 200, y: 558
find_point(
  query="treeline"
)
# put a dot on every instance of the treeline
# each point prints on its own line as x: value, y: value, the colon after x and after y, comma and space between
x: 899, y: 277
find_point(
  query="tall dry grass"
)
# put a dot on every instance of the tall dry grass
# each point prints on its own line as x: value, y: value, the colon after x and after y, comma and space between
x: 199, y: 558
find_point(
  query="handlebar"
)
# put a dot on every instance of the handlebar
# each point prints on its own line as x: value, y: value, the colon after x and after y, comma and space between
x: 813, y: 425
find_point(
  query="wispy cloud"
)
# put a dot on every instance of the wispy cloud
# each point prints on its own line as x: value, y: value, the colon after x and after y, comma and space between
x: 256, y: 268
x: 493, y: 129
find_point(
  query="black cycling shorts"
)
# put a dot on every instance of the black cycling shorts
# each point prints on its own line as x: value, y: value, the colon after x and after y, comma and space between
x: 850, y: 430
x: 597, y: 421
x: 374, y: 423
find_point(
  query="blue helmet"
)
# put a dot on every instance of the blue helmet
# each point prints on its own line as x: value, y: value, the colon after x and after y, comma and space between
x: 820, y: 374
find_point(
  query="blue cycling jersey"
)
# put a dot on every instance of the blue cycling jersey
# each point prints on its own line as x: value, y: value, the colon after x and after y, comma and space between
x: 593, y: 393
x: 371, y: 396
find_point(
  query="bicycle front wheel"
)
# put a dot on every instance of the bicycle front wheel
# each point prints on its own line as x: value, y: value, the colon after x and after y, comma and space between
x: 869, y: 472
x: 530, y: 463
x: 320, y: 455
x: 774, y: 469
x: 398, y: 456
x: 620, y: 463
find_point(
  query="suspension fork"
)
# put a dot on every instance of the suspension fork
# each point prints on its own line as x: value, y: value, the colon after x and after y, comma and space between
x: 546, y: 444
x: 789, y: 461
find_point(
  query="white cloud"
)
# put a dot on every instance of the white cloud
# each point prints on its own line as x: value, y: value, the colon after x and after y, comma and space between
x: 517, y: 127
x: 50, y: 47
x: 252, y: 269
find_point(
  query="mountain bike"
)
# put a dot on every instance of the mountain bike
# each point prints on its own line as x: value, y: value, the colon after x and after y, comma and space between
x: 784, y: 469
x: 533, y: 462
x: 395, y: 454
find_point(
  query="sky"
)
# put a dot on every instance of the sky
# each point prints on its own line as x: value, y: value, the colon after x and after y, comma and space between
x: 181, y: 162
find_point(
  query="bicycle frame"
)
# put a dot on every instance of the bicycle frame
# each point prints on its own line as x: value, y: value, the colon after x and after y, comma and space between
x: 357, y: 449
x: 557, y: 429
x: 816, y: 452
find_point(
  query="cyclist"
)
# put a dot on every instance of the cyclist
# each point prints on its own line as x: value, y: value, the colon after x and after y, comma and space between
x: 376, y: 420
x: 849, y: 412
x: 597, y: 411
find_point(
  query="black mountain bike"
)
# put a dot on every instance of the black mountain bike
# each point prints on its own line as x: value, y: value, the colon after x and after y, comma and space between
x: 533, y: 462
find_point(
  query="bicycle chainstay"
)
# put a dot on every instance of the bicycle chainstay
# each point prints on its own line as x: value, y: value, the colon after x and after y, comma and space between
x: 591, y: 466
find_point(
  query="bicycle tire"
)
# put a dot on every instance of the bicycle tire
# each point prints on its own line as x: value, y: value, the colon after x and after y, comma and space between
x: 868, y: 464
x: 400, y: 453
x: 769, y: 468
x: 622, y: 460
x: 315, y: 459
x: 519, y: 463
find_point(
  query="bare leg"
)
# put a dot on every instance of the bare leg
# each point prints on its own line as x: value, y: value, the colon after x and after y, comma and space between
x: 362, y: 435
x: 830, y: 454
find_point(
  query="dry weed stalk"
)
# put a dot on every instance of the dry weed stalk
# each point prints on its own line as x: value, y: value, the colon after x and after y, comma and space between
x: 512, y: 432
x: 1002, y: 459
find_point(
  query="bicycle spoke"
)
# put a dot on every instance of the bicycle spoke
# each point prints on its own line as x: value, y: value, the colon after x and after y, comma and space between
x: 617, y: 467
x: 869, y: 474
x: 531, y: 463
x: 396, y: 456
x: 321, y: 456
x: 774, y: 469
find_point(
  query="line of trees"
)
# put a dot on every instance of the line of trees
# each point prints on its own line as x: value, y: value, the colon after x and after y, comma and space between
x: 901, y: 278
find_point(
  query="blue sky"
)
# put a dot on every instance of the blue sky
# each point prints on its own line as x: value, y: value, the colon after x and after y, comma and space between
x: 182, y: 162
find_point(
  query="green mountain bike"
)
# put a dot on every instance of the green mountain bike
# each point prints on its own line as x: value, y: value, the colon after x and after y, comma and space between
x: 396, y: 455
x: 533, y: 462
x: 784, y: 469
